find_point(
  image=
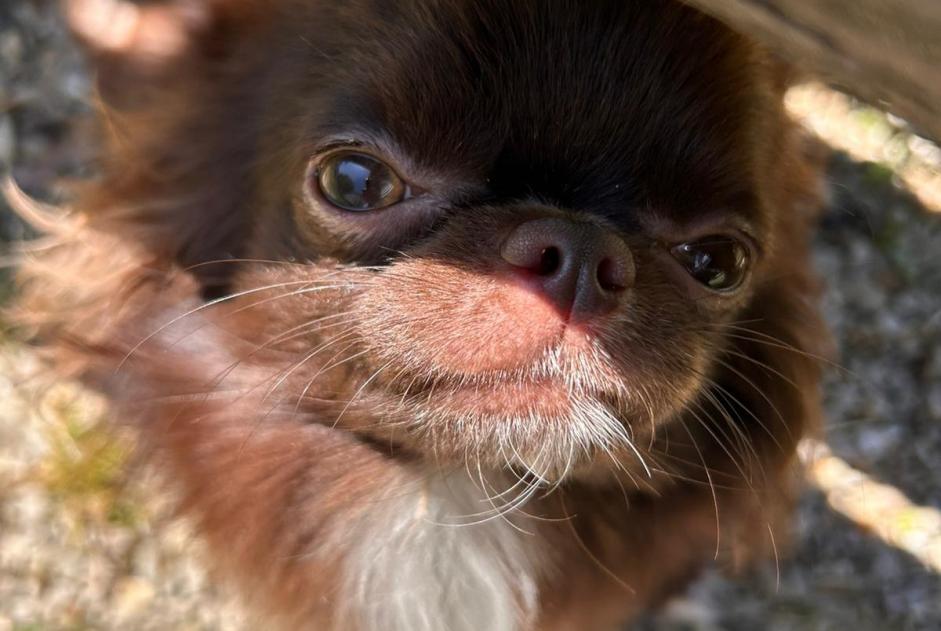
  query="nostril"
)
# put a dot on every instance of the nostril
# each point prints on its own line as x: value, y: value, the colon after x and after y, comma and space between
x: 549, y: 261
x: 582, y: 269
x: 612, y: 275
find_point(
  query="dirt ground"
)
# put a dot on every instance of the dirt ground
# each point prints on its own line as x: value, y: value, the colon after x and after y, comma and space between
x: 83, y: 546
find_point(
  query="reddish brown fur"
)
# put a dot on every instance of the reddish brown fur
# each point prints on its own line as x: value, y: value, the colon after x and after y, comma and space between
x: 642, y: 117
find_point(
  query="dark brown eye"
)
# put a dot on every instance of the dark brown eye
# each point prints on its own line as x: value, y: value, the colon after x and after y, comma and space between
x: 719, y: 263
x: 359, y: 182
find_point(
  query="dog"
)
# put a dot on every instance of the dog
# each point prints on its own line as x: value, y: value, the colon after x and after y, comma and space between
x: 446, y: 314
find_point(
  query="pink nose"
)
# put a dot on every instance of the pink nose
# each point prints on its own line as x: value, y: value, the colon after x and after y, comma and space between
x: 582, y: 269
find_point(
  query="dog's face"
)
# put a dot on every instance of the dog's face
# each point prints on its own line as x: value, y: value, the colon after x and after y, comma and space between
x: 485, y: 231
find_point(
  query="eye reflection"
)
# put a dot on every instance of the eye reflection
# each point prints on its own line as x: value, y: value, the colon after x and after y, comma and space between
x: 359, y: 182
x: 717, y: 262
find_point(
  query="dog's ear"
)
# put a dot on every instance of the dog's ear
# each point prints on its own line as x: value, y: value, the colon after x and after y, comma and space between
x: 138, y: 45
x: 165, y: 68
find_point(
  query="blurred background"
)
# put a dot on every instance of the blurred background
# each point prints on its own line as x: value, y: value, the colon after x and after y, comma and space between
x: 86, y: 545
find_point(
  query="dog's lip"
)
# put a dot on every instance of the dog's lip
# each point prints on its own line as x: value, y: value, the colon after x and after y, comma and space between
x: 497, y: 395
x: 559, y: 365
x: 509, y: 398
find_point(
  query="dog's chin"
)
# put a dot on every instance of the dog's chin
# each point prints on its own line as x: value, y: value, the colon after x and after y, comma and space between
x: 547, y: 426
x: 538, y: 399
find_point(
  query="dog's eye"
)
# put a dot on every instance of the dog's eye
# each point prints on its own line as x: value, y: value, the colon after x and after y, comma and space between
x: 359, y: 182
x: 720, y: 263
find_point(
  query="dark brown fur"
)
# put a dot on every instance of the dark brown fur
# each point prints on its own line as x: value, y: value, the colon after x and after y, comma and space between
x: 644, y: 117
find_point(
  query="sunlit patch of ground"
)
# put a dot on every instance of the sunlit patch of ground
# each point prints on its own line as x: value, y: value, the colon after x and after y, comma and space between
x: 879, y: 508
x: 87, y: 541
x: 869, y: 135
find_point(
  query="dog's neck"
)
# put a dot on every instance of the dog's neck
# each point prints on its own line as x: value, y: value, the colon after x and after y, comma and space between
x: 444, y: 555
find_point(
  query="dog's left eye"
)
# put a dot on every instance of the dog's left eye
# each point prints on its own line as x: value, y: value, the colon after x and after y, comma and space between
x: 720, y: 263
x: 359, y: 182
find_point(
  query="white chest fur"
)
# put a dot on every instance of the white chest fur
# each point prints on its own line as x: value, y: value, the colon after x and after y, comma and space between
x: 437, y: 558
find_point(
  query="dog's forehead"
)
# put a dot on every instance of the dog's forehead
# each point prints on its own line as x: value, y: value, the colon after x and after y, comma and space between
x: 580, y: 102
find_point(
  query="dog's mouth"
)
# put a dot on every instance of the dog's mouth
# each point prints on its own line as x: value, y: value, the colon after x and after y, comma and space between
x: 554, y: 388
x: 548, y: 424
x: 503, y: 398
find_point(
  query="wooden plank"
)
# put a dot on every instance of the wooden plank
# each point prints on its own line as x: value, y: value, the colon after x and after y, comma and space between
x: 887, y: 52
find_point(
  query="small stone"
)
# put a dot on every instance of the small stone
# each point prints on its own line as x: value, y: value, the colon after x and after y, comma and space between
x: 877, y: 442
x: 131, y: 596
x: 31, y: 506
x: 146, y: 561
x: 11, y: 49
x: 690, y: 614
x: 7, y: 142
x: 933, y: 369
x: 934, y: 404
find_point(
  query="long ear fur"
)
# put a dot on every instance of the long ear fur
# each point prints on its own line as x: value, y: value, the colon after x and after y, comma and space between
x: 161, y: 71
x: 135, y: 45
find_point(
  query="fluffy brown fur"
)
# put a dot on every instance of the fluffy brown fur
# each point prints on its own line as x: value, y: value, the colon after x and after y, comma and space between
x: 363, y: 413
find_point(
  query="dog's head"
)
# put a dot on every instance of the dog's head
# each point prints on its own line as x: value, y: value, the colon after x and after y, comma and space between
x: 535, y: 233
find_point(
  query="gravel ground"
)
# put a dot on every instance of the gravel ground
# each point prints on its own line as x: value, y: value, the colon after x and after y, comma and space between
x: 85, y: 545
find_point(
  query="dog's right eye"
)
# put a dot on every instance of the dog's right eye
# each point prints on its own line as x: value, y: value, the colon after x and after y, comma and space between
x: 359, y: 182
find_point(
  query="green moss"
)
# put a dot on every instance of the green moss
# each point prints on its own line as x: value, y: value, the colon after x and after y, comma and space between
x: 878, y: 174
x: 874, y: 121
x: 124, y: 513
x: 86, y: 463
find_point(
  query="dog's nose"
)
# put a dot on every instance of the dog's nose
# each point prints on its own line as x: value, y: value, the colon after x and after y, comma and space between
x: 584, y: 270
